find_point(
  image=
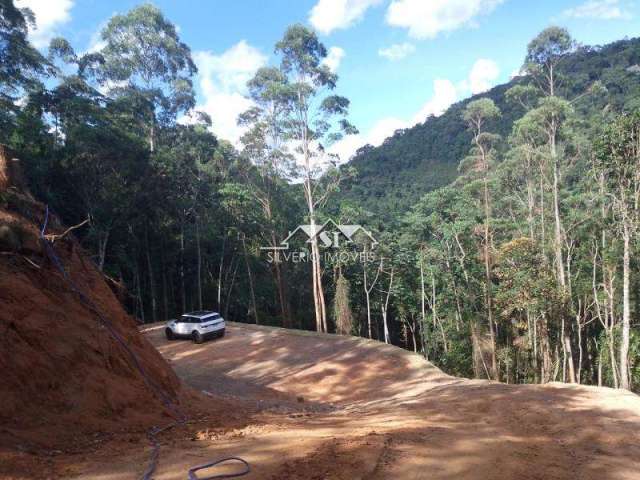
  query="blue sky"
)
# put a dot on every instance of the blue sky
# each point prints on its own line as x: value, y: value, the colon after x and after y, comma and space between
x: 398, y: 60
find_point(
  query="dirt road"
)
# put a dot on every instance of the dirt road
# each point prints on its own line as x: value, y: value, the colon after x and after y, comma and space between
x: 328, y: 407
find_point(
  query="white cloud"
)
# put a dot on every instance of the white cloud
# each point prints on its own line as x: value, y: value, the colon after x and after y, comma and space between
x: 329, y: 15
x: 397, y: 51
x: 49, y: 15
x: 599, y: 9
x: 333, y: 58
x: 223, y: 79
x: 483, y: 75
x: 444, y: 94
x: 376, y: 135
x: 427, y: 18
x: 96, y: 43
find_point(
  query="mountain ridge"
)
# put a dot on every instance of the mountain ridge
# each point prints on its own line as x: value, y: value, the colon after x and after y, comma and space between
x: 414, y: 161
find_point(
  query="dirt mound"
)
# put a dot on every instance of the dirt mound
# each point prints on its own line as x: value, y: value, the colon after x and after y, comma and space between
x: 63, y: 374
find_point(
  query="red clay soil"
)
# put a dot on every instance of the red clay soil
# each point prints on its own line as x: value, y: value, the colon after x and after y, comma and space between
x: 66, y: 384
x: 326, y: 407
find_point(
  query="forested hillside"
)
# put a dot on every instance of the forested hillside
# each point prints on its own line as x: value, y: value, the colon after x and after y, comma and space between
x: 522, y: 267
x: 422, y: 158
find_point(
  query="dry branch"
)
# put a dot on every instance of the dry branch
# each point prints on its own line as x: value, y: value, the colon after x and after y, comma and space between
x: 53, y: 238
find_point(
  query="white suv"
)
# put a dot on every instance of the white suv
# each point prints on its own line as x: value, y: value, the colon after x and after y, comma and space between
x: 197, y: 326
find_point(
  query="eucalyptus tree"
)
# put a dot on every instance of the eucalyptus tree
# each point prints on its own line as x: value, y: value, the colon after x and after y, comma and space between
x: 544, y: 53
x: 145, y: 60
x: 271, y: 163
x: 103, y: 158
x: 524, y: 159
x: 21, y: 65
x: 477, y: 114
x: 316, y: 119
x: 618, y: 160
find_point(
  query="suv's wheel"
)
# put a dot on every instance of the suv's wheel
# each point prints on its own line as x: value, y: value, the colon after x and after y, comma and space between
x: 197, y: 337
x: 169, y: 334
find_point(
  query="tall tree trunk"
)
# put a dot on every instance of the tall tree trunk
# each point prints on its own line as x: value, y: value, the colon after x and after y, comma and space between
x: 423, y: 308
x: 580, y: 350
x: 534, y: 342
x: 368, y: 313
x: 318, y: 293
x: 385, y: 308
x: 543, y: 229
x: 103, y: 240
x: 231, y: 284
x: 413, y: 334
x: 454, y: 288
x: 600, y: 366
x: 281, y: 286
x: 570, y: 363
x: 367, y: 290
x: 199, y: 263
x: 434, y: 311
x: 557, y: 239
x: 531, y: 203
x: 152, y: 134
x: 557, y: 247
x: 488, y: 294
x: 139, y: 302
x: 183, y: 292
x: 626, y: 308
x: 323, y: 305
x: 165, y: 299
x: 220, y: 271
x: 385, y: 326
x: 545, y: 347
x: 282, y: 295
x: 152, y: 285
x: 250, y: 276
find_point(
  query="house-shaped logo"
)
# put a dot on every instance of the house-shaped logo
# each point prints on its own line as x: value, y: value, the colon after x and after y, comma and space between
x: 328, y: 235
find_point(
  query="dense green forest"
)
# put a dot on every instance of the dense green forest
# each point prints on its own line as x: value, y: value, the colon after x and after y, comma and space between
x: 506, y: 229
x: 426, y: 156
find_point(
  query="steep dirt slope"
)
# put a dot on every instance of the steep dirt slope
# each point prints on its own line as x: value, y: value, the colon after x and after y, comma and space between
x: 65, y: 382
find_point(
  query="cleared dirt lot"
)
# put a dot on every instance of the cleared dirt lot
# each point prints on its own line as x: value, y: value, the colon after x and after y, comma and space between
x: 329, y: 407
